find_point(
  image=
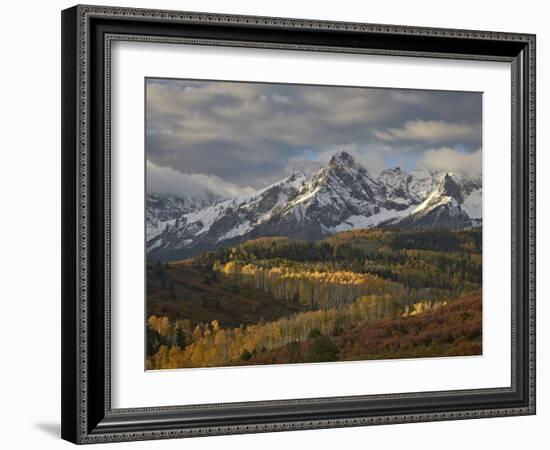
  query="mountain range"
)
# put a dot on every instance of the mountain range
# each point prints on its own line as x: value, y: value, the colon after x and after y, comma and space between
x: 340, y: 196
x: 163, y: 210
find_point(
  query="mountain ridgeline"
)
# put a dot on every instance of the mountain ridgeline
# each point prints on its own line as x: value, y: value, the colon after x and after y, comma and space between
x: 341, y: 196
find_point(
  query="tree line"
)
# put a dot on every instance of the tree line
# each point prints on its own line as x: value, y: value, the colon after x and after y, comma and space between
x: 306, y: 284
x: 213, y: 345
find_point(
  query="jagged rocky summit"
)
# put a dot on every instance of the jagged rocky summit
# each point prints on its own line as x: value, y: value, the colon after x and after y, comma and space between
x: 341, y: 196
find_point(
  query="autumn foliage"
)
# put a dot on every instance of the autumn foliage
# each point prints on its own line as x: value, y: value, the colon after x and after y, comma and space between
x: 367, y: 294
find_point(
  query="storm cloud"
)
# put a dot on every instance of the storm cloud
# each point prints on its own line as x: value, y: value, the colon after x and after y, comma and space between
x: 251, y: 134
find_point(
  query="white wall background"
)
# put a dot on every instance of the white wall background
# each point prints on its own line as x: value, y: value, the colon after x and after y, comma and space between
x: 30, y: 223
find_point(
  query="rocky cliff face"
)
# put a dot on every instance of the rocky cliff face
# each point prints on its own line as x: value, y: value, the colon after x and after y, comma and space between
x: 441, y: 209
x: 340, y: 196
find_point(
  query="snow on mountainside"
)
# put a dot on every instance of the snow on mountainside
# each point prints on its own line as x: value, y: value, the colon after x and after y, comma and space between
x: 442, y: 208
x: 164, y: 209
x: 424, y: 182
x: 396, y: 184
x: 341, y: 196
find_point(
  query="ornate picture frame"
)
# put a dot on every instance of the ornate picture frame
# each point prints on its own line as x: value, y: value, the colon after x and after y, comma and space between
x: 88, y: 33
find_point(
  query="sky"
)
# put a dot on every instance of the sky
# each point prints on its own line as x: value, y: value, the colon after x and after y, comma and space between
x: 234, y: 137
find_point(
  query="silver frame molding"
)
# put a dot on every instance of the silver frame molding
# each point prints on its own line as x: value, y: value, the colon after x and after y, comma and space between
x: 88, y: 33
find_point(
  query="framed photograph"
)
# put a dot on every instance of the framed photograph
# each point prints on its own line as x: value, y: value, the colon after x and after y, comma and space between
x: 280, y: 224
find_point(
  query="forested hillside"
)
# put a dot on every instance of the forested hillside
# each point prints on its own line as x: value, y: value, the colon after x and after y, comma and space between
x: 363, y: 294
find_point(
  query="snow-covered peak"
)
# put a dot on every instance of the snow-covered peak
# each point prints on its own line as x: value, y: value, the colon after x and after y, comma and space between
x: 164, y: 210
x: 341, y: 158
x: 449, y: 188
x: 447, y: 193
x: 343, y: 170
x: 339, y: 196
x: 441, y: 208
x: 395, y: 180
x: 394, y: 171
x: 395, y: 183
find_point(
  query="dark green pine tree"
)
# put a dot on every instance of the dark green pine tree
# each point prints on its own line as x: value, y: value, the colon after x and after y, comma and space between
x: 153, y: 341
x: 180, y: 338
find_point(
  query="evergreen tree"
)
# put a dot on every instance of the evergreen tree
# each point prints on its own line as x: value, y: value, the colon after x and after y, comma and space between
x: 180, y: 337
x: 322, y: 349
x: 153, y: 341
x: 245, y: 355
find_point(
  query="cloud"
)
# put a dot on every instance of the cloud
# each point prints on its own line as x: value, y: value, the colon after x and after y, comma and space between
x: 252, y: 134
x: 165, y: 180
x: 431, y: 131
x: 305, y: 166
x: 371, y: 160
x: 450, y: 160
